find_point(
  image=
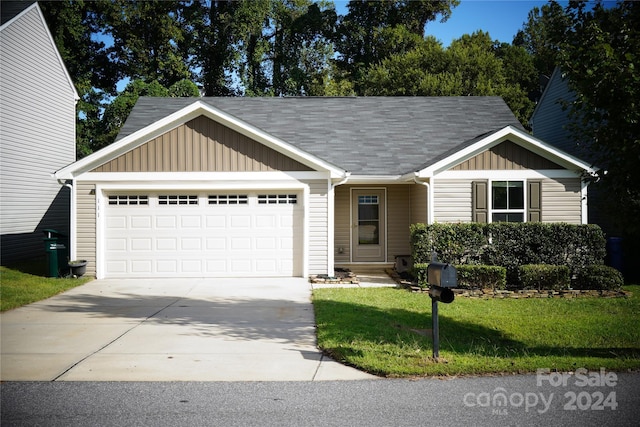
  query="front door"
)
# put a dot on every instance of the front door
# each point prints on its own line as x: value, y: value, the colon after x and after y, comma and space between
x: 368, y: 233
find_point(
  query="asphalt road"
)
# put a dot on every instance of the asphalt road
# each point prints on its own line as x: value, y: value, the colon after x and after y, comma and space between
x: 595, y: 399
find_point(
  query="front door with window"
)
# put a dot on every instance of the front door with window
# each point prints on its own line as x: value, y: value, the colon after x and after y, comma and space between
x: 368, y: 225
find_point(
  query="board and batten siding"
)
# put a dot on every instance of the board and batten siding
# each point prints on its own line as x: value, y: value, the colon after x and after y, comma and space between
x: 506, y: 156
x: 202, y: 145
x: 37, y: 130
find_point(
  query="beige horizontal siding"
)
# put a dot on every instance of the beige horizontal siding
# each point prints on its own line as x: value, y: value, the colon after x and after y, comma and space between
x: 202, y: 145
x: 398, y: 221
x: 419, y: 202
x: 561, y: 200
x: 452, y: 200
x: 342, y: 224
x: 86, y: 225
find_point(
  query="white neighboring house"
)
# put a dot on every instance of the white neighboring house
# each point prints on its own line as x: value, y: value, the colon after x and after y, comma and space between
x: 37, y: 132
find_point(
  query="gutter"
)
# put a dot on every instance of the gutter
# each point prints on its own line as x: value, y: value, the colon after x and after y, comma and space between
x: 426, y: 184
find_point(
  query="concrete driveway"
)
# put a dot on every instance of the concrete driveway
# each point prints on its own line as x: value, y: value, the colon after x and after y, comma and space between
x: 169, y: 330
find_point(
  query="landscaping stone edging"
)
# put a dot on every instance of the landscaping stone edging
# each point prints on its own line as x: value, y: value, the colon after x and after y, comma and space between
x: 519, y: 294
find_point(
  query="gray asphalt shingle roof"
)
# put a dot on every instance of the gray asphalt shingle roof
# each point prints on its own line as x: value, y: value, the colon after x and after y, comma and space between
x: 363, y: 135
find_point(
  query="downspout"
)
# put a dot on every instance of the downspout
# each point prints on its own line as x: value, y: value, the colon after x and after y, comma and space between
x: 72, y: 218
x: 346, y: 177
x: 331, y: 219
x: 426, y: 184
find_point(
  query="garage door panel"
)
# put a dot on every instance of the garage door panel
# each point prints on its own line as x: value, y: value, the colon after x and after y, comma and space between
x: 191, y: 244
x: 140, y: 222
x: 203, y: 240
x: 138, y: 244
x: 141, y: 266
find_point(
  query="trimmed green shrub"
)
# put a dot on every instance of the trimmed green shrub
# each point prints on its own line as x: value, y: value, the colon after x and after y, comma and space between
x: 510, y: 245
x: 469, y: 276
x: 544, y: 276
x: 420, y: 273
x: 481, y: 277
x: 599, y: 277
x: 461, y: 243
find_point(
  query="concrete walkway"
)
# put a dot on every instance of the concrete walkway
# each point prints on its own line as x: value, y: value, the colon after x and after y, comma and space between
x: 169, y: 330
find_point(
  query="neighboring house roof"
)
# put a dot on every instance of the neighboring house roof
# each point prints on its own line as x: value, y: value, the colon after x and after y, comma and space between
x: 11, y: 9
x: 362, y: 135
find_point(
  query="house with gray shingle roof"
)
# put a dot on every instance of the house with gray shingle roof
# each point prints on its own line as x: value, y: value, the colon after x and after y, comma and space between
x: 223, y: 187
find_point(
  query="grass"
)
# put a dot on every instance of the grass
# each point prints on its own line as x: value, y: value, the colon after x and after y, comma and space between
x: 18, y: 288
x: 386, y: 332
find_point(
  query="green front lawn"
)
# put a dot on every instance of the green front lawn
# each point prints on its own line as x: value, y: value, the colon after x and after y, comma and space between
x: 387, y: 332
x: 18, y: 288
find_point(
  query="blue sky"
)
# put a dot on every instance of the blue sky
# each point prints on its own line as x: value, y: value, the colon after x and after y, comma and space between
x: 500, y: 18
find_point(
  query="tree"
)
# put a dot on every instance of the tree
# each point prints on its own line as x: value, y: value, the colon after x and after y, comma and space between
x: 370, y: 32
x: 469, y: 66
x: 536, y: 36
x: 599, y: 53
x: 146, y: 38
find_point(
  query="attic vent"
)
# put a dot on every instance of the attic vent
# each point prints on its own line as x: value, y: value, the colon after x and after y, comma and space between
x: 277, y: 199
x: 128, y: 200
x: 178, y: 200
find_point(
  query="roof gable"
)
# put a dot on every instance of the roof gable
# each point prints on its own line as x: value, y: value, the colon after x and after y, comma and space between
x: 547, y: 156
x: 180, y: 117
x: 201, y: 145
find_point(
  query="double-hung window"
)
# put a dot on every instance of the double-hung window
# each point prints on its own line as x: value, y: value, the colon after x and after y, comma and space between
x: 507, y: 201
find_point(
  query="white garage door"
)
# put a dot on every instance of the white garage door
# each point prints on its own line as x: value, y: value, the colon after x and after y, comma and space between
x: 210, y: 234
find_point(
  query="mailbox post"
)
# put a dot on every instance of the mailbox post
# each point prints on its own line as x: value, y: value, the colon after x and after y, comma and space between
x: 441, y: 277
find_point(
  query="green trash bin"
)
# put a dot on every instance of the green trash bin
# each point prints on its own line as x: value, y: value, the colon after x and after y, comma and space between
x: 55, y: 248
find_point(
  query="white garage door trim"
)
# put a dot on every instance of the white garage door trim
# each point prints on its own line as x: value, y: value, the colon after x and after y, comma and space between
x: 301, y: 191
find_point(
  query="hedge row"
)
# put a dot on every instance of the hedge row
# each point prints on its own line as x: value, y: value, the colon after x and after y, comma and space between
x: 510, y: 245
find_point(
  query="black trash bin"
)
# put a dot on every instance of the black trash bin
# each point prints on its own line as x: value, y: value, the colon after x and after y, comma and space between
x: 55, y: 248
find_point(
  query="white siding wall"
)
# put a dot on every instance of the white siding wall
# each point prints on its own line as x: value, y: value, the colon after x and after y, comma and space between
x: 37, y: 136
x: 452, y: 200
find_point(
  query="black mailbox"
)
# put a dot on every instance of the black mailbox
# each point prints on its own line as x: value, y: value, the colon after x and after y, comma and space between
x: 442, y: 274
x: 441, y: 277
